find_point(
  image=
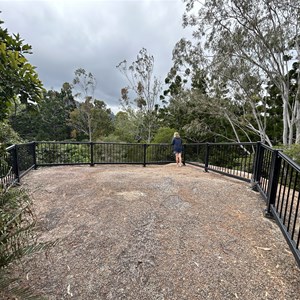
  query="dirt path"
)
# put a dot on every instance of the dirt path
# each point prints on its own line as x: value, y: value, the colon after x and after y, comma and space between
x: 160, y: 232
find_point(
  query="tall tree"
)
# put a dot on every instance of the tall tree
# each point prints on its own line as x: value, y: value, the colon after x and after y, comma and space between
x: 146, y: 89
x: 85, y: 83
x: 91, y: 117
x: 92, y: 120
x: 263, y: 33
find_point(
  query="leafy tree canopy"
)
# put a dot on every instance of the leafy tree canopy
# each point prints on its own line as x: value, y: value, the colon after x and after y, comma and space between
x: 164, y: 135
x: 18, y: 78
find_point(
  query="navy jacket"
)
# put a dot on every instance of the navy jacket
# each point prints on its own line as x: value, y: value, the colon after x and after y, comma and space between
x: 177, y: 144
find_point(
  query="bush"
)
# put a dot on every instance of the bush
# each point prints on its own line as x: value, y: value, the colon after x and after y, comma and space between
x: 17, y: 238
x: 293, y: 151
x: 163, y: 135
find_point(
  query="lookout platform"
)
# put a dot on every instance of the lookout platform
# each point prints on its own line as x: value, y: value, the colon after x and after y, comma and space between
x: 160, y: 232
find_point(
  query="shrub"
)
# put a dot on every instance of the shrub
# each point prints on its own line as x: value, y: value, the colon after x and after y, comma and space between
x: 17, y: 238
x: 293, y: 151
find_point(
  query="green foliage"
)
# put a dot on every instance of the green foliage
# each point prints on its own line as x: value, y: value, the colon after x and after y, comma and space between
x: 50, y: 121
x: 18, y: 76
x: 113, y: 138
x: 293, y: 151
x: 163, y: 135
x: 92, y: 119
x: 248, y: 45
x: 8, y: 136
x: 125, y: 128
x: 16, y: 223
x: 17, y: 239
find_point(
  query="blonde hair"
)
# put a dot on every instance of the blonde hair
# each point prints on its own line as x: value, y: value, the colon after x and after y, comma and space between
x: 176, y: 134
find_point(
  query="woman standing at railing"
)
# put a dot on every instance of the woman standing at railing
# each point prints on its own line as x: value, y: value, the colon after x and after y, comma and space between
x: 177, y: 148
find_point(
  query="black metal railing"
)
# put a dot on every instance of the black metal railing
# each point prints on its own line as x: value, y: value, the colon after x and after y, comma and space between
x: 7, y: 171
x: 271, y: 172
x: 61, y: 153
x: 15, y: 162
x: 232, y: 159
x: 277, y: 178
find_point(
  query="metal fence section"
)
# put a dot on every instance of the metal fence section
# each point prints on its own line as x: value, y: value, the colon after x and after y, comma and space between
x: 63, y: 153
x: 195, y: 154
x: 15, y: 162
x: 285, y: 206
x: 277, y: 178
x: 263, y: 169
x: 159, y: 154
x: 7, y: 174
x: 232, y: 159
x: 121, y: 153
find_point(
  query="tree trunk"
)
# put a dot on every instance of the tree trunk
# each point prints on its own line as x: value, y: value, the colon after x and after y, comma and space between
x: 285, y: 117
x: 297, y: 122
x: 90, y: 127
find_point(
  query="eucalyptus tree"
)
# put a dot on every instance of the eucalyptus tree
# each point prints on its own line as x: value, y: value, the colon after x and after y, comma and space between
x: 146, y: 90
x: 81, y: 118
x: 245, y: 86
x: 264, y: 34
x: 91, y: 117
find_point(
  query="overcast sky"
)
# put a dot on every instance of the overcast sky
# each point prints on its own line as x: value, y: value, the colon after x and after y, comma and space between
x: 95, y: 35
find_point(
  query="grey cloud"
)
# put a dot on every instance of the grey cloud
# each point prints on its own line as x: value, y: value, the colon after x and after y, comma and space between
x: 95, y: 35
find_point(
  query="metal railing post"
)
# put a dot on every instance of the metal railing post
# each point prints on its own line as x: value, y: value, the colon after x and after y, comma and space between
x: 273, y: 183
x: 34, y: 154
x: 257, y: 164
x: 206, y: 157
x: 145, y: 155
x: 15, y: 163
x: 92, y: 154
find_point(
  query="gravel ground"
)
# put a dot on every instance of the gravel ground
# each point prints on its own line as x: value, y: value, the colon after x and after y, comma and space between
x: 160, y: 232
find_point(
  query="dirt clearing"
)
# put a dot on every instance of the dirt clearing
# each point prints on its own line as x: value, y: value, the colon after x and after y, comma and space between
x: 160, y: 232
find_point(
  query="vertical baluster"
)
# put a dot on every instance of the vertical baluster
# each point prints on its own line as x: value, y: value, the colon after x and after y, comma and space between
x: 291, y: 212
x: 263, y: 169
x: 266, y: 169
x: 296, y: 219
x: 285, y: 170
x: 223, y: 160
x: 280, y: 186
x: 110, y: 151
x: 288, y: 194
x: 228, y: 161
x: 232, y: 161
